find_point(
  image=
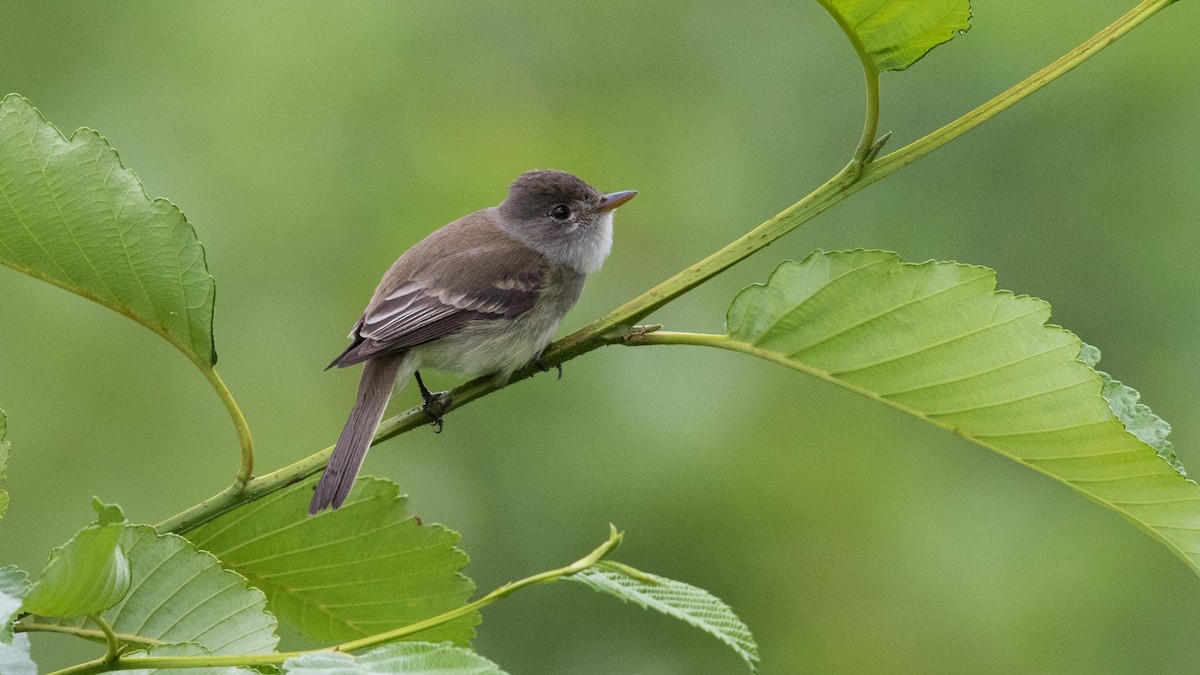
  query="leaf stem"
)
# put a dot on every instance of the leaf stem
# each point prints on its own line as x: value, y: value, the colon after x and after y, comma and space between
x: 866, y: 142
x: 114, y: 645
x: 859, y: 173
x: 614, y: 539
x: 119, y: 662
x: 246, y: 472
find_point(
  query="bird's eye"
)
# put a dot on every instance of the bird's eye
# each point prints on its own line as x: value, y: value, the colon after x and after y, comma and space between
x: 560, y: 212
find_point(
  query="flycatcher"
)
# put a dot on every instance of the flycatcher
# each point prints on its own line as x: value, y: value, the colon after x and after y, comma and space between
x: 484, y: 294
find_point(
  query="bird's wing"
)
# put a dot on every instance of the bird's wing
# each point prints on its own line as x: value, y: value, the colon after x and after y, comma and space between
x: 470, y: 284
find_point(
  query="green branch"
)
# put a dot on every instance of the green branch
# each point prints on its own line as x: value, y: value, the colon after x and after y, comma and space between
x: 838, y: 188
x: 859, y: 173
x: 116, y: 661
x: 1064, y: 64
x: 86, y: 633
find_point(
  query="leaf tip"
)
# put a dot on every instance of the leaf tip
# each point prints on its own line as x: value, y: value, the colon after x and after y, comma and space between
x: 107, y: 514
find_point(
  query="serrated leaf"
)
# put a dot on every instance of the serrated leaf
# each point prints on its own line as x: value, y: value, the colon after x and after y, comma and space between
x: 88, y: 574
x: 897, y: 33
x: 4, y: 448
x: 362, y: 569
x: 182, y: 595
x: 73, y: 215
x: 14, y: 585
x: 184, y: 649
x: 1137, y: 417
x: 936, y: 340
x: 694, y: 606
x: 409, y: 658
x: 15, y: 659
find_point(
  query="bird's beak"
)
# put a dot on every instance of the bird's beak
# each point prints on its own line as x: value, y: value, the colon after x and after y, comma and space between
x: 615, y: 199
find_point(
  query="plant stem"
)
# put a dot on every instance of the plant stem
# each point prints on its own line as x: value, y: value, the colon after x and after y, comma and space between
x: 859, y: 173
x: 85, y: 668
x: 198, y: 514
x: 246, y: 471
x: 1064, y: 64
x: 114, y: 645
x: 583, y: 563
x: 841, y: 186
x: 871, y: 75
x: 117, y: 662
x: 86, y: 633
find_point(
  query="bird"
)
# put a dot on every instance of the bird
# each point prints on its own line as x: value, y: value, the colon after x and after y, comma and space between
x: 481, y: 295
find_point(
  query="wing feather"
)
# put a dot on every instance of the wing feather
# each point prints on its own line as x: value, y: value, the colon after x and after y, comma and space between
x: 475, y: 283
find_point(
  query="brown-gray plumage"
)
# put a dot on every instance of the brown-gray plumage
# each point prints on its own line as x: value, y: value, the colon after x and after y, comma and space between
x: 433, y: 291
x: 481, y: 295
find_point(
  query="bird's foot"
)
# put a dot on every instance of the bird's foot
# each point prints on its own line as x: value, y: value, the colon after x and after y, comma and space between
x: 545, y: 369
x: 437, y: 404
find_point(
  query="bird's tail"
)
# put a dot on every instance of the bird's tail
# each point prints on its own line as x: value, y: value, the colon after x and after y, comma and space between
x: 374, y: 389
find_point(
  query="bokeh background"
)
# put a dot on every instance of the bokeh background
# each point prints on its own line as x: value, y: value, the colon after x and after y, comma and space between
x: 310, y: 144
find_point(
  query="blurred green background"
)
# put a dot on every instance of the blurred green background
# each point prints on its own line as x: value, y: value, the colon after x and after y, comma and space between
x: 311, y: 144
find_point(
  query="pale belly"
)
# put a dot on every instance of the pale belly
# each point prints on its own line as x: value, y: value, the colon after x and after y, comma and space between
x: 495, y: 346
x: 502, y: 346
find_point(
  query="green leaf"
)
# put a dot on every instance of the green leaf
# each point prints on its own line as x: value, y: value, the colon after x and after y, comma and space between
x: 895, y: 34
x: 107, y: 514
x: 362, y: 569
x: 71, y: 214
x: 937, y: 341
x: 4, y: 446
x: 694, y: 606
x: 184, y: 649
x: 88, y: 574
x: 1137, y: 417
x: 409, y: 658
x: 180, y: 595
x: 14, y: 585
x: 15, y: 659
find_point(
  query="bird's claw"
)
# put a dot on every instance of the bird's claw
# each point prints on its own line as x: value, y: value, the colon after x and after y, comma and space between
x: 436, y: 405
x: 542, y: 367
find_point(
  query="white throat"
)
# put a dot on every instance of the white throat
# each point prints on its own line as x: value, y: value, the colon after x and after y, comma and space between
x: 591, y: 253
x: 583, y: 252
